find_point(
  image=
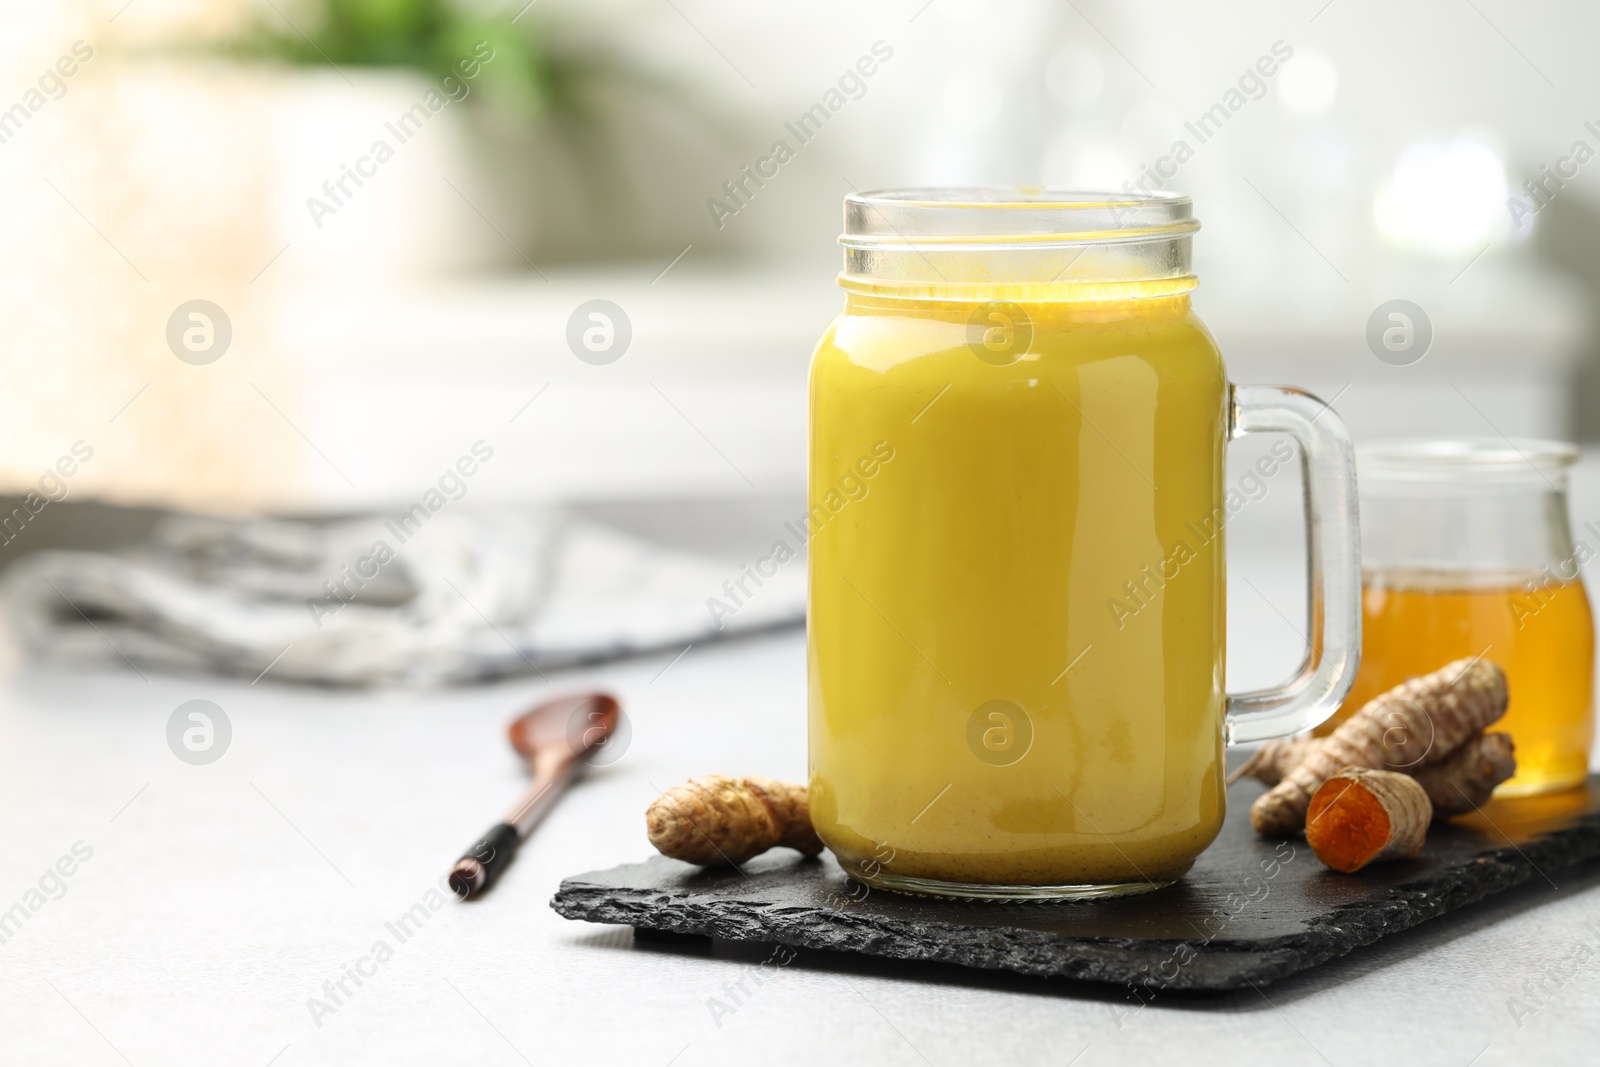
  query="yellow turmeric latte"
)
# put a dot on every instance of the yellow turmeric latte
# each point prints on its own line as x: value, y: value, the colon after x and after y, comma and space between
x: 1538, y: 630
x: 1016, y: 640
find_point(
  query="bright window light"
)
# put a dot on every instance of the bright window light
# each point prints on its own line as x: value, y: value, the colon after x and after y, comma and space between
x: 1446, y: 197
x: 1308, y: 82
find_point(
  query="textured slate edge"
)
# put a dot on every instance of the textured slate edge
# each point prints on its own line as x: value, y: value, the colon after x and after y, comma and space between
x: 1216, y: 965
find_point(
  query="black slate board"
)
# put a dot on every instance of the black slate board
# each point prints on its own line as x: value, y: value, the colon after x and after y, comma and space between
x: 1249, y: 913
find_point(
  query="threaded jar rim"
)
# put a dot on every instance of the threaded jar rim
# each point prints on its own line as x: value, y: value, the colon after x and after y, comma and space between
x: 1017, y: 242
x: 1027, y: 216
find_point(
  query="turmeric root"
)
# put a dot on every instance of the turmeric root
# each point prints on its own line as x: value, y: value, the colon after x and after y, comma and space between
x: 1361, y: 815
x: 1462, y: 782
x: 715, y: 819
x: 1465, y: 780
x: 1413, y: 725
x: 1269, y: 763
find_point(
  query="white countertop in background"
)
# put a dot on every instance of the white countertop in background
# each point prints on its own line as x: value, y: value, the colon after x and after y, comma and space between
x: 337, y: 402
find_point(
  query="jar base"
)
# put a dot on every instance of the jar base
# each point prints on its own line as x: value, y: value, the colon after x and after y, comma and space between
x: 982, y: 891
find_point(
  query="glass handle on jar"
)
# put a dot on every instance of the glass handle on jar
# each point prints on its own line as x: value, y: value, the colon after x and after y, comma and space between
x: 1333, y: 560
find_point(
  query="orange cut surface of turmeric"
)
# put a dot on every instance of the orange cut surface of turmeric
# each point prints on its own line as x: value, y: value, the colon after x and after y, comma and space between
x: 1362, y: 815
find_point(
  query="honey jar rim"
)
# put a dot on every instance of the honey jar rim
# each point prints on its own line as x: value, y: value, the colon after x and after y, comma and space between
x: 1463, y: 459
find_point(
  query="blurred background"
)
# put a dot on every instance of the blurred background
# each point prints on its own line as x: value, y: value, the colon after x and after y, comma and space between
x: 338, y: 264
x: 387, y: 306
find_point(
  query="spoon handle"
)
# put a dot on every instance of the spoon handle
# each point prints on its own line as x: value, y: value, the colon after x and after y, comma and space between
x: 547, y: 785
x: 480, y: 866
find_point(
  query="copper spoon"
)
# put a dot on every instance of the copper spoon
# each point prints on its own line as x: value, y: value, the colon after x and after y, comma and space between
x: 556, y: 738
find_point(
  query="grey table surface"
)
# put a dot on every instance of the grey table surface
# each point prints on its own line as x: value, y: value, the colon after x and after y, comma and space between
x: 220, y: 906
x: 219, y: 899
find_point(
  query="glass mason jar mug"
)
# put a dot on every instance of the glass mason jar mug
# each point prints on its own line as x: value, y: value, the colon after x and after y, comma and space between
x: 1016, y: 568
x: 1467, y: 552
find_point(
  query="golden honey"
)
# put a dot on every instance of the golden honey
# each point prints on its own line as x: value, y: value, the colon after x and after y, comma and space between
x: 1539, y: 631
